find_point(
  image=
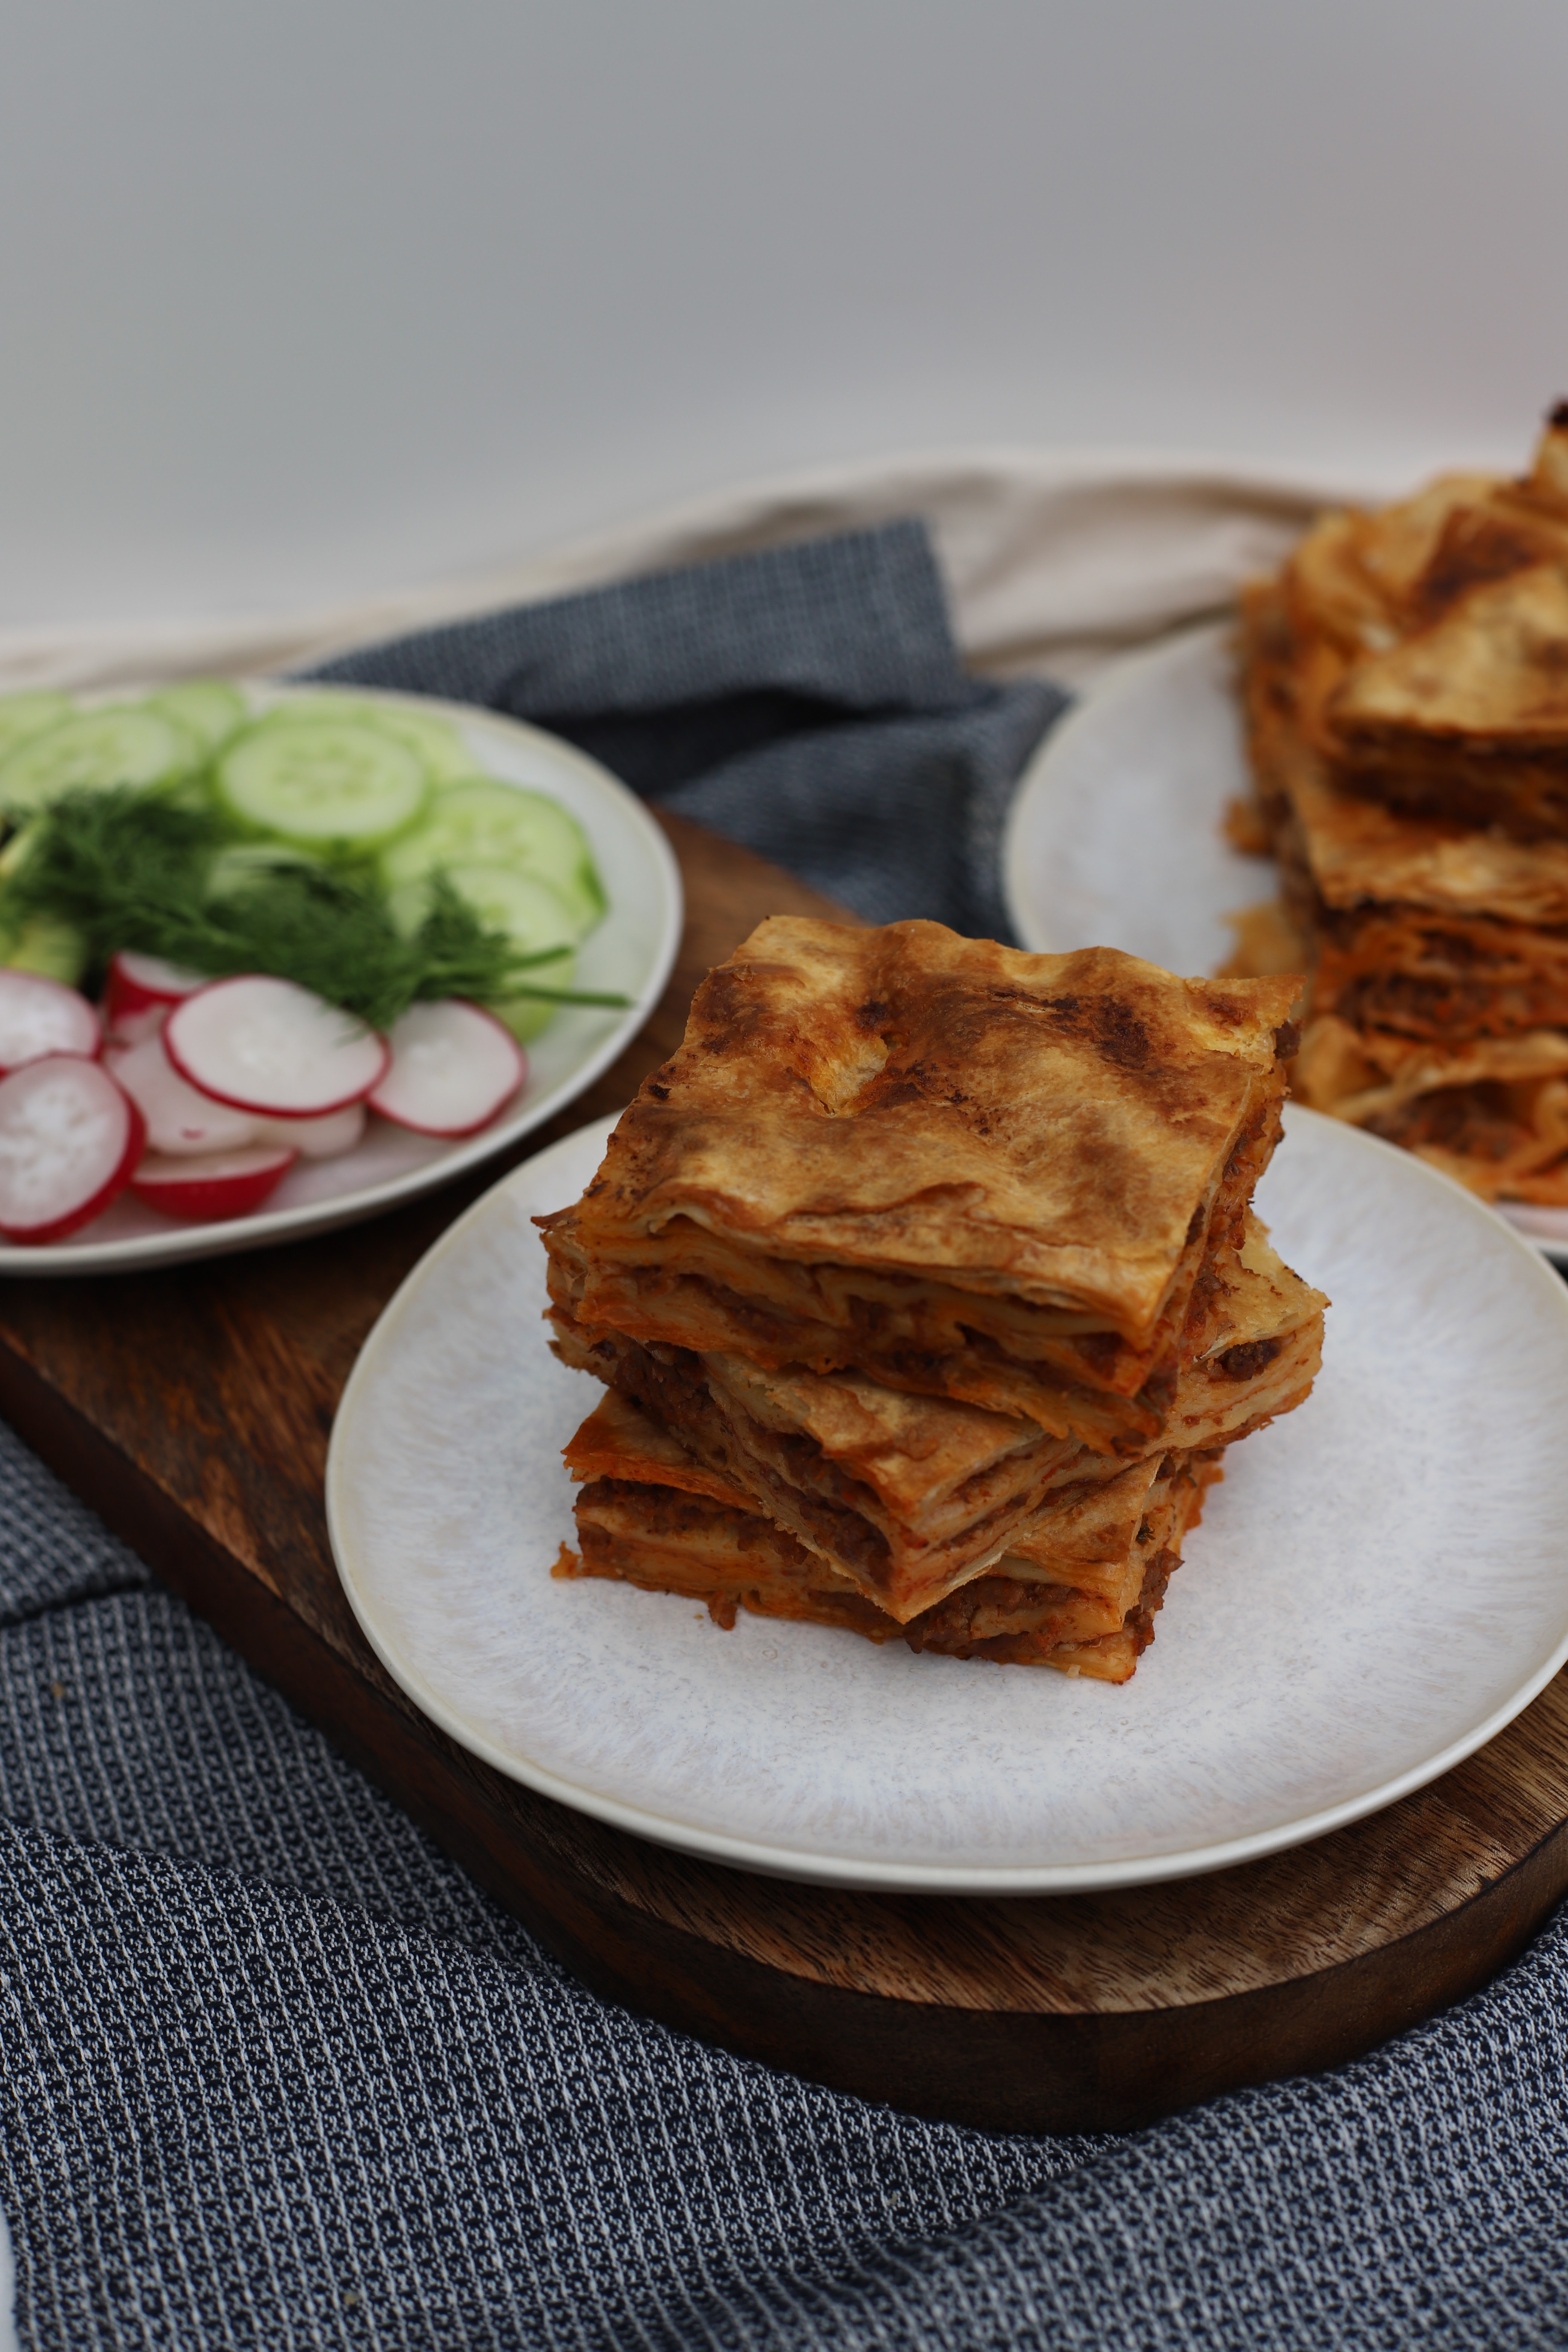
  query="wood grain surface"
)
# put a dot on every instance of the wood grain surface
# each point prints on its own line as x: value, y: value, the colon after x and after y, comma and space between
x: 193, y: 1407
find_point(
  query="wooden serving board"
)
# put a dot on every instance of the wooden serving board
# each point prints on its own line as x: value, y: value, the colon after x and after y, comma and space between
x: 193, y: 1408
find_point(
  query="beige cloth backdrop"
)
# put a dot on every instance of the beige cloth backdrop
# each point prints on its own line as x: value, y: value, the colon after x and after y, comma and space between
x: 1055, y: 562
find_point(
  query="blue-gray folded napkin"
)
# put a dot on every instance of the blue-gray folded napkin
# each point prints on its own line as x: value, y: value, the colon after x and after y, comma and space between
x: 808, y: 702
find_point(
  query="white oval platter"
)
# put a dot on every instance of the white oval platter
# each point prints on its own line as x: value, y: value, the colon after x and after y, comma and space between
x: 1114, y: 837
x: 629, y: 954
x: 1380, y: 1584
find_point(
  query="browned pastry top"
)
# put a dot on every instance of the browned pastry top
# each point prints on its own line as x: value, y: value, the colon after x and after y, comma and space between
x: 1054, y: 1127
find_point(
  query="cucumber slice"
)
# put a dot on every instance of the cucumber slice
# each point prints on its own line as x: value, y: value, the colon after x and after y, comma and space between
x: 525, y: 1016
x: 434, y: 741
x: 320, y: 702
x: 534, y: 917
x: 209, y: 708
x: 121, y: 743
x: 333, y: 783
x: 245, y: 861
x: 43, y: 943
x: 22, y: 715
x: 486, y: 824
x: 17, y: 848
x: 192, y: 792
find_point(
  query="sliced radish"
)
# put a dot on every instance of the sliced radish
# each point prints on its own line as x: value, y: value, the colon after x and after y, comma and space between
x: 70, y: 1139
x: 39, y: 1016
x: 334, y: 1132
x: 139, y: 993
x: 133, y: 1028
x: 268, y: 1046
x: 219, y: 1184
x: 179, y: 1120
x: 453, y: 1065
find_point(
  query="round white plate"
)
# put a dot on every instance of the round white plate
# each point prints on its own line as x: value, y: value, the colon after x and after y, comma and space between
x: 1378, y: 1586
x: 1115, y: 840
x: 629, y: 955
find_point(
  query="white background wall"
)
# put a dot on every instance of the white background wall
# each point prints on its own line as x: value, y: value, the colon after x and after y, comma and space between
x: 301, y: 298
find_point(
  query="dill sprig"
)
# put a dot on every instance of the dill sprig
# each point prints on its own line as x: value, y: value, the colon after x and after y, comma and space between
x: 129, y: 871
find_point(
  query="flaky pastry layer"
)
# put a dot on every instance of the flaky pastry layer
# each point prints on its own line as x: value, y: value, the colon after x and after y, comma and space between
x: 650, y: 1515
x: 909, y: 1496
x: 1053, y: 1131
x: 1421, y: 648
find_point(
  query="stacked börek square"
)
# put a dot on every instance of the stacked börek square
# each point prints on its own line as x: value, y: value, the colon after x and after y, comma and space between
x: 926, y: 1286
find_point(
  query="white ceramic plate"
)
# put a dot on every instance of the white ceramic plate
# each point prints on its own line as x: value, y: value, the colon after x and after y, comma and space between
x: 629, y: 955
x: 1114, y: 838
x: 1379, y: 1585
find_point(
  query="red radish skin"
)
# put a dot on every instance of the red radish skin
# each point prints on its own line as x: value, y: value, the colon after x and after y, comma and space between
x: 206, y: 1189
x: 140, y: 991
x: 134, y: 1028
x: 180, y: 1121
x: 453, y: 1066
x: 39, y: 1016
x: 315, y: 1139
x: 69, y: 1142
x: 267, y: 1045
x: 153, y: 975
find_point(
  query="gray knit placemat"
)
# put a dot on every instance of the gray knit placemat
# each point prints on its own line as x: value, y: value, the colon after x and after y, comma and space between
x: 276, y: 2073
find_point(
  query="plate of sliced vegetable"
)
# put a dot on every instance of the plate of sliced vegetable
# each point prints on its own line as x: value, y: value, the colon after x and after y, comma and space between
x: 274, y: 958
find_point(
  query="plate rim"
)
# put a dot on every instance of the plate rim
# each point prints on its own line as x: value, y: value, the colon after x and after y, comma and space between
x: 804, y: 1867
x: 233, y: 1236
x: 1120, y: 680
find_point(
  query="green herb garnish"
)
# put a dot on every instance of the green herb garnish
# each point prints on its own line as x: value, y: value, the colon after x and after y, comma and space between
x: 132, y: 872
